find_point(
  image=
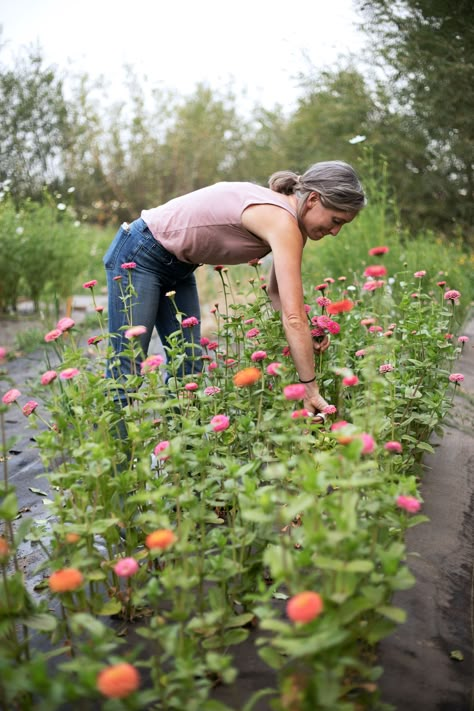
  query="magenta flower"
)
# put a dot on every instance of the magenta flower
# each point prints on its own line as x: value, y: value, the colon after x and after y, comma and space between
x: 376, y: 251
x: 211, y: 390
x: 220, y: 423
x: 375, y: 270
x: 151, y: 363
x: 135, y: 331
x: 452, y: 295
x: 53, y: 335
x: 258, y: 355
x: 190, y: 321
x: 89, y: 284
x: 48, y: 377
x: 350, y: 380
x: 64, y: 324
x: 126, y: 567
x: 191, y: 387
x: 323, y: 301
x: 29, y: 407
x: 69, y: 373
x: 386, y: 368
x: 294, y: 392
x: 456, y: 377
x: 393, y: 446
x: 204, y: 341
x: 273, y: 368
x: 11, y: 396
x: 128, y: 265
x: 252, y: 332
x: 285, y: 351
x: 160, y: 448
x: 408, y: 503
x: 368, y: 443
x: 420, y: 274
x: 94, y: 340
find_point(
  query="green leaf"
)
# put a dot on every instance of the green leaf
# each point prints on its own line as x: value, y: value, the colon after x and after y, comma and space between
x: 425, y: 447
x: 396, y: 614
x: 37, y: 491
x: 9, y: 507
x: 240, y: 620
x: 111, y: 607
x: 359, y: 566
x: 457, y: 655
x: 41, y: 622
x: 270, y: 656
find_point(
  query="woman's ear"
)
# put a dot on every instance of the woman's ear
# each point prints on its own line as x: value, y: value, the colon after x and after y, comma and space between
x: 312, y: 199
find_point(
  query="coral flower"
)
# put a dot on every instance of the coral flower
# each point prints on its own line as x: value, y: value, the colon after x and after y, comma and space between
x: 220, y: 423
x: 118, y: 681
x: 304, y: 607
x: 53, y: 335
x: 89, y: 284
x: 258, y: 355
x: 350, y: 380
x: 456, y: 377
x: 48, y: 377
x: 151, y: 363
x: 376, y: 251
x: 72, y: 537
x: 408, y: 503
x: 393, y: 446
x: 11, y: 396
x: 162, y: 538
x: 375, y: 270
x: 294, y: 392
x: 135, y: 331
x: 69, y: 373
x: 126, y: 567
x: 247, y: 376
x: 338, y: 307
x: 65, y: 580
x: 66, y: 323
x: 29, y: 407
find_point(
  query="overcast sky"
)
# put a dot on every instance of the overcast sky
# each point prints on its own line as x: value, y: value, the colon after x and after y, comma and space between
x: 255, y: 45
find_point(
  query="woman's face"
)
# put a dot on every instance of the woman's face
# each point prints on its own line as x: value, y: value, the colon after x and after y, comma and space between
x: 319, y: 221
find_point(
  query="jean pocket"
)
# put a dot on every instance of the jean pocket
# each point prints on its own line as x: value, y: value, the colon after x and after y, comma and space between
x: 114, y: 252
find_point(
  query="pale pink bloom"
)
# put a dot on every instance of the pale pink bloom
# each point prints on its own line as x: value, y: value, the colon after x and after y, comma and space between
x: 204, y: 341
x: 368, y: 443
x: 69, y: 373
x: 29, y: 407
x: 126, y: 567
x: 342, y: 278
x: 294, y: 392
x: 367, y: 321
x: 191, y: 386
x: 420, y: 274
x: 258, y: 355
x: 211, y: 390
x: 117, y: 278
x: 386, y: 368
x: 323, y: 301
x: 160, y: 448
x: 329, y: 280
x: 251, y: 333
x: 375, y: 270
x: 350, y: 380
x: 463, y: 339
x: 151, y: 363
x: 64, y: 324
x: 456, y: 377
x: 273, y: 368
x: 135, y: 331
x: 329, y: 410
x: 360, y: 353
x: 229, y: 362
x: 408, y: 503
x: 128, y: 265
x: 414, y: 295
x: 452, y: 295
x: 190, y: 321
x: 296, y: 414
x: 248, y: 321
x: 11, y: 396
x: 3, y: 353
x: 99, y: 309
x: 338, y: 425
x: 307, y: 308
x: 53, y: 335
x: 393, y: 446
x: 392, y: 326
x: 89, y: 284
x: 387, y: 334
x: 219, y: 423
x: 48, y: 377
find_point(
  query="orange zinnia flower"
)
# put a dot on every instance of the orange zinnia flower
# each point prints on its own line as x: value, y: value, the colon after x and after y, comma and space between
x: 66, y: 580
x: 338, y: 307
x: 118, y: 681
x: 4, y: 548
x: 163, y: 538
x: 304, y: 607
x: 72, y: 537
x: 247, y: 376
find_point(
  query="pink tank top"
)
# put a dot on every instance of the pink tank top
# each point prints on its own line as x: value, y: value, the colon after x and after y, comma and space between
x: 205, y: 226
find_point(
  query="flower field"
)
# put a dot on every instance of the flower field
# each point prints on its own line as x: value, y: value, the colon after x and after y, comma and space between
x: 227, y: 513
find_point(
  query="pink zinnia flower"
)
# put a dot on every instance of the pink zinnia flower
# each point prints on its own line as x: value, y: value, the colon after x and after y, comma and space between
x: 338, y: 425
x: 375, y: 270
x: 151, y: 363
x: 29, y: 407
x: 386, y: 368
x: 135, y: 331
x: 393, y: 446
x: 213, y: 345
x: 297, y: 414
x: 273, y: 368
x: 191, y: 387
x: 408, y: 503
x: 463, y: 339
x: 220, y: 423
x: 160, y: 448
x: 190, y: 321
x: 64, y: 324
x: 11, y: 396
x: 456, y: 377
x: 452, y: 295
x: 117, y: 278
x: 89, y: 284
x: 53, y: 335
x: 368, y: 443
x: 329, y: 410
x: 350, y: 380
x: 323, y: 301
x: 420, y: 274
x: 94, y: 340
x: 375, y: 329
x: 294, y: 392
x: 360, y: 353
x: 320, y: 287
x: 211, y: 390
x: 285, y: 351
x: 258, y: 355
x: 99, y: 309
x: 367, y: 321
x: 375, y: 251
x: 204, y: 341
x: 69, y: 373
x: 128, y: 265
x: 307, y: 308
x: 251, y: 333
x: 212, y: 366
x: 48, y: 377
x: 126, y: 567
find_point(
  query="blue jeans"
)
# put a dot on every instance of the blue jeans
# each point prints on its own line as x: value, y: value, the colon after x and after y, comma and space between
x: 157, y: 272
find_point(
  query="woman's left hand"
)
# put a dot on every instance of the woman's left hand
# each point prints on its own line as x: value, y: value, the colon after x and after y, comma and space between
x: 321, y: 346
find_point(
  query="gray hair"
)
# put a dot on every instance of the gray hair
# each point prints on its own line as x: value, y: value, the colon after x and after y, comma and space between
x: 336, y: 183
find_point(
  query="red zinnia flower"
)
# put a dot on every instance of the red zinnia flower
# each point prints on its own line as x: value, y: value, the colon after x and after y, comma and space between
x: 375, y: 270
x: 338, y: 307
x: 304, y: 607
